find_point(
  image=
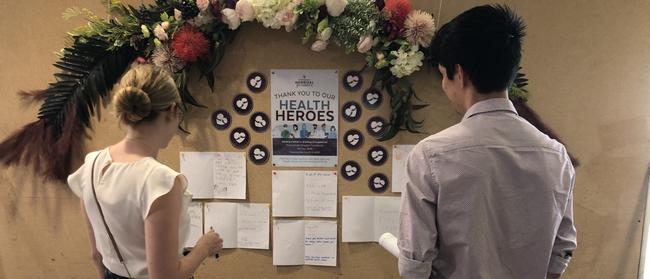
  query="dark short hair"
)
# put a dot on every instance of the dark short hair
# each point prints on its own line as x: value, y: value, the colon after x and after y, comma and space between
x: 486, y: 42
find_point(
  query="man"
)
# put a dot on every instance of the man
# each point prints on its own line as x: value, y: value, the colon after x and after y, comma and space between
x: 490, y: 197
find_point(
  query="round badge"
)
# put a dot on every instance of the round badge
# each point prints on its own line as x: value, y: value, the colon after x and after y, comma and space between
x: 258, y: 154
x: 351, y: 111
x: 259, y: 122
x: 372, y: 98
x: 352, y: 81
x: 221, y: 119
x: 239, y: 137
x: 242, y: 103
x: 353, y: 139
x: 350, y: 170
x: 376, y: 126
x: 377, y: 155
x: 378, y: 183
x: 256, y: 82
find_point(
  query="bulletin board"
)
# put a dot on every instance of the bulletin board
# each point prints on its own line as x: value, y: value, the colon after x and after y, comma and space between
x: 588, y: 81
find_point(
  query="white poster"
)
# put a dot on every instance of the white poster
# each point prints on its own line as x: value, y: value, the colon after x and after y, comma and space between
x: 220, y: 175
x: 240, y: 225
x: 304, y: 117
x: 366, y: 218
x: 304, y: 242
x: 304, y: 193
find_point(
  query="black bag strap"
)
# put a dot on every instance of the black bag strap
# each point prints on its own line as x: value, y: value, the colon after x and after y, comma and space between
x: 110, y: 235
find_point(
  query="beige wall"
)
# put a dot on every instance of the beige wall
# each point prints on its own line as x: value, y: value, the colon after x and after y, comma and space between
x: 588, y: 62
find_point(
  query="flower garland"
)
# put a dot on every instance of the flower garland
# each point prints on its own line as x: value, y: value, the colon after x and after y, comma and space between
x: 179, y: 34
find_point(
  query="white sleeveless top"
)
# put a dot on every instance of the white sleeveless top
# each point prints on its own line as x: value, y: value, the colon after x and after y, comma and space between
x: 126, y: 192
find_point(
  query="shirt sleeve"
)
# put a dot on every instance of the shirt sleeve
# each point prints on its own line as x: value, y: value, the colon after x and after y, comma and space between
x: 565, y: 240
x: 418, y: 234
x: 159, y: 182
x: 75, y: 181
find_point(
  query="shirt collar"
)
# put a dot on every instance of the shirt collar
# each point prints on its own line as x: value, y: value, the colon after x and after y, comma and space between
x: 489, y: 105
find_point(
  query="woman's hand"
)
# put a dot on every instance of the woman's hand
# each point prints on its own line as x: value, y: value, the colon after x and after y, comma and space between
x: 210, y: 242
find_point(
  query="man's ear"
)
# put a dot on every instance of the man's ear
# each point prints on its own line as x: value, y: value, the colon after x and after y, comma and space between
x: 461, y: 76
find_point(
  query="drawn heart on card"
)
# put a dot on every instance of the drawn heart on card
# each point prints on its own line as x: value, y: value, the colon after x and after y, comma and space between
x: 259, y: 154
x: 376, y: 126
x: 352, y: 80
x: 372, y: 98
x: 256, y: 82
x: 378, y: 182
x: 240, y: 137
x: 242, y: 103
x: 350, y: 170
x: 351, y: 111
x: 260, y: 122
x: 221, y: 119
x: 377, y: 155
x: 353, y: 139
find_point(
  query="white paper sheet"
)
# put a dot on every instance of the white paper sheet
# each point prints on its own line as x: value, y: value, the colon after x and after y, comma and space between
x: 366, y: 218
x: 215, y: 174
x: 195, y: 210
x: 400, y: 157
x: 304, y: 242
x: 240, y: 225
x: 304, y: 193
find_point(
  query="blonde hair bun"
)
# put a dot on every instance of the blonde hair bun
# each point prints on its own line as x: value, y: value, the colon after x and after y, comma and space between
x: 132, y: 104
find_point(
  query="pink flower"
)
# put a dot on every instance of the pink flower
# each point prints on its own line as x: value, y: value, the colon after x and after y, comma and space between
x: 165, y: 25
x: 288, y: 17
x: 160, y: 33
x: 319, y: 45
x: 178, y: 15
x: 365, y: 44
x: 203, y: 4
x: 141, y: 60
x: 245, y: 10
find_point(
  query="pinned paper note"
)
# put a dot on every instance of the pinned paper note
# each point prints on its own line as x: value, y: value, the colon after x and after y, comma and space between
x: 195, y: 211
x: 215, y: 174
x: 304, y: 193
x: 240, y: 225
x: 304, y: 242
x: 400, y: 158
x: 366, y: 218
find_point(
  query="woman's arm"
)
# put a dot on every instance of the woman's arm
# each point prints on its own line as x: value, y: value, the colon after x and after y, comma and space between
x: 95, y: 255
x: 161, y: 238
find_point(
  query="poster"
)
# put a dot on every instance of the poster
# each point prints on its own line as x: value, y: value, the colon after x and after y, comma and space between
x: 304, y: 115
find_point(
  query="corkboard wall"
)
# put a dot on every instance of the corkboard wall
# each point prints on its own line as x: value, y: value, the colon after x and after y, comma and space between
x: 588, y: 63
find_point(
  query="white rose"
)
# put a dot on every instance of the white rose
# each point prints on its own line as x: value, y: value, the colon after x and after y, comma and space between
x: 336, y: 7
x: 231, y: 18
x: 319, y: 45
x: 245, y: 10
x: 365, y: 44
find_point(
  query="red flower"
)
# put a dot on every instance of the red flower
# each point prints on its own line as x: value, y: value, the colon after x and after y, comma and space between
x: 398, y: 10
x: 189, y: 43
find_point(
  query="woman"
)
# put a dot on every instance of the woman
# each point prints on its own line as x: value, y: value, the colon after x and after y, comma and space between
x: 144, y: 203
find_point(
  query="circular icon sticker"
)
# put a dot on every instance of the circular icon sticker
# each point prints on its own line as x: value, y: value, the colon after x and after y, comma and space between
x: 378, y: 183
x: 239, y: 137
x: 352, y: 81
x: 258, y: 154
x: 353, y: 139
x: 377, y: 155
x: 350, y: 170
x: 221, y: 119
x: 242, y: 103
x: 351, y: 111
x: 372, y: 98
x: 256, y: 82
x: 376, y: 126
x: 259, y: 122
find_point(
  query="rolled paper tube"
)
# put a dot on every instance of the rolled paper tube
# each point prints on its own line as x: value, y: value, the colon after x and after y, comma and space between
x: 389, y: 242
